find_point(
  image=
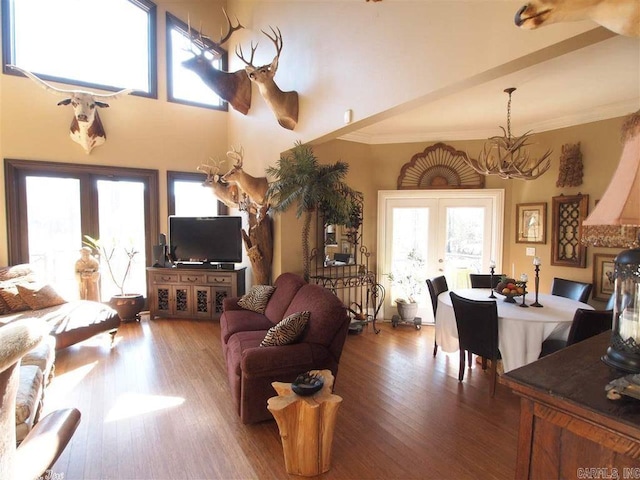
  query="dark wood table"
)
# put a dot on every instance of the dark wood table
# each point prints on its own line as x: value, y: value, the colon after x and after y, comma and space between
x: 567, y: 425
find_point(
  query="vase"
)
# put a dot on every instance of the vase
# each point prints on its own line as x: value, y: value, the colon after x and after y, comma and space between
x: 128, y: 306
x: 407, y: 311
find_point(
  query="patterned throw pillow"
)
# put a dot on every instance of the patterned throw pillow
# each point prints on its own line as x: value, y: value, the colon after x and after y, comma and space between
x: 39, y: 296
x: 287, y: 330
x: 256, y: 298
x: 12, y: 298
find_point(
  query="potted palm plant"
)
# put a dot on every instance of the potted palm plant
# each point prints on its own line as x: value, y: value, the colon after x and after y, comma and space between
x: 410, y: 277
x: 128, y: 305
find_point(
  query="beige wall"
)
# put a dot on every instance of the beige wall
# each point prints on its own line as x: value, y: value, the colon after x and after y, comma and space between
x: 376, y: 167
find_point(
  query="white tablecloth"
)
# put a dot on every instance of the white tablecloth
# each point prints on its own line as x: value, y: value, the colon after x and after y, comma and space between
x: 521, y: 331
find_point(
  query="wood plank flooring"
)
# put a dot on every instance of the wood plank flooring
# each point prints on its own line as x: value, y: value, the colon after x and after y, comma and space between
x: 157, y: 406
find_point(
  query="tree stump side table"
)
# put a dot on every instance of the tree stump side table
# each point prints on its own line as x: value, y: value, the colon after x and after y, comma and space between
x: 306, y: 426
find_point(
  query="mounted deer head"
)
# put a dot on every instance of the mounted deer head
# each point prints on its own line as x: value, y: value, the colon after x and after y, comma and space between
x: 619, y: 16
x: 234, y: 88
x: 227, y: 193
x: 254, y: 187
x: 284, y: 105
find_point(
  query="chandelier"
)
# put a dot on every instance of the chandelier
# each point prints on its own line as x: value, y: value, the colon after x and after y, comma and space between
x: 506, y: 155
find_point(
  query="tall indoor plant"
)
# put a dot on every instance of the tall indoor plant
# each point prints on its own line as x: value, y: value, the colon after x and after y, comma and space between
x: 411, y: 279
x: 128, y: 305
x: 300, y: 178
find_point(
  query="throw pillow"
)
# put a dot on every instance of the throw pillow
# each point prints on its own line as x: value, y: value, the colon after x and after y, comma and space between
x: 4, y: 308
x: 39, y: 296
x: 287, y: 330
x: 12, y: 298
x: 256, y: 298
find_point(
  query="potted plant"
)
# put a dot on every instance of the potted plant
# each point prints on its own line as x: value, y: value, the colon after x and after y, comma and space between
x: 410, y: 277
x: 128, y: 305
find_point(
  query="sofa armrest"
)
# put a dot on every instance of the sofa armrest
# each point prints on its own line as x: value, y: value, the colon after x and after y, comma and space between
x: 230, y: 303
x: 259, y: 361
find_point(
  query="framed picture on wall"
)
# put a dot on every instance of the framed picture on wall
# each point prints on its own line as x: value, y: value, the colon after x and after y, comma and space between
x: 603, y: 281
x: 531, y: 222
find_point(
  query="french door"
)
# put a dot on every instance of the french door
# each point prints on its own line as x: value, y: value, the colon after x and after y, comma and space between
x: 455, y: 232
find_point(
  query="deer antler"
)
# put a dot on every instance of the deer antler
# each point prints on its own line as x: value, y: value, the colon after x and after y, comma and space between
x: 276, y: 39
x: 211, y: 168
x: 240, y: 54
x: 236, y: 155
x: 230, y: 27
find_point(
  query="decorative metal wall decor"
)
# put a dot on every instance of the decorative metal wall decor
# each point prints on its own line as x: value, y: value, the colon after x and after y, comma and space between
x: 568, y: 214
x: 439, y: 166
x: 570, y: 172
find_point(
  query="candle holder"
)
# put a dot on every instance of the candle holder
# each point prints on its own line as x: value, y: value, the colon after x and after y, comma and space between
x: 491, y: 269
x: 524, y: 294
x: 537, y: 286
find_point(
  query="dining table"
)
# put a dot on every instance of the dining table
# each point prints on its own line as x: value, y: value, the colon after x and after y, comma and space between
x: 521, y: 330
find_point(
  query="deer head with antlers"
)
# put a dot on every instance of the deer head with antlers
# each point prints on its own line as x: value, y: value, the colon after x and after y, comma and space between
x: 227, y: 193
x: 232, y: 87
x: 254, y: 187
x: 284, y: 105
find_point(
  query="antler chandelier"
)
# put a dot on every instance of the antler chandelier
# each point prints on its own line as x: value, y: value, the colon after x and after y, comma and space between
x: 506, y: 156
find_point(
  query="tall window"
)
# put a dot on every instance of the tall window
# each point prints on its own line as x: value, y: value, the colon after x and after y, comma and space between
x: 51, y: 206
x: 107, y: 44
x: 188, y: 196
x: 183, y: 84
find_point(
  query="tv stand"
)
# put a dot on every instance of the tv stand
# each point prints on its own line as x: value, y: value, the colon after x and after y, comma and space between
x: 193, y: 291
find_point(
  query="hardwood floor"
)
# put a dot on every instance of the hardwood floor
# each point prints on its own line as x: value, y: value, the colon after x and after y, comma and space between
x: 157, y: 406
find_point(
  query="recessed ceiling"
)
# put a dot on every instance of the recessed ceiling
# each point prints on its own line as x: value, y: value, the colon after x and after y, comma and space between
x: 593, y: 83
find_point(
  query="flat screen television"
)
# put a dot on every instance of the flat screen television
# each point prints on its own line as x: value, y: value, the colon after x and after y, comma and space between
x: 205, y: 239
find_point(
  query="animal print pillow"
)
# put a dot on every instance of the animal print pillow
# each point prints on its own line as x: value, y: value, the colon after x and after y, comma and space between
x: 11, y: 298
x: 39, y: 296
x: 287, y: 330
x: 256, y: 298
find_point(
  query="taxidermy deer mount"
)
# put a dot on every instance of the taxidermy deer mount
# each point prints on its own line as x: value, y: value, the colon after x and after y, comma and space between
x: 254, y: 187
x: 234, y: 88
x: 227, y: 193
x: 619, y: 16
x: 284, y: 105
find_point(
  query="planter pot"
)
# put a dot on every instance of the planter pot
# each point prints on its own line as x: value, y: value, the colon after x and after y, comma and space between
x: 407, y: 311
x: 128, y: 306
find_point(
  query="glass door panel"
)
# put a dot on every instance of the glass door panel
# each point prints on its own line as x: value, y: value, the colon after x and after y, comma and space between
x: 54, y: 230
x: 122, y: 224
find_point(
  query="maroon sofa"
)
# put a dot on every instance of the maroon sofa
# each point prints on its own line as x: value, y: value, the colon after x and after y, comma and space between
x: 251, y: 369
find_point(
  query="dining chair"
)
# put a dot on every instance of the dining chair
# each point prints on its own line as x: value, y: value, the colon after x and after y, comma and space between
x: 579, y: 291
x: 585, y: 324
x: 483, y: 280
x: 477, y: 322
x: 436, y: 286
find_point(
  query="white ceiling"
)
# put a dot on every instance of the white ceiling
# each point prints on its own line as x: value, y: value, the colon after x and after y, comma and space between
x: 593, y: 83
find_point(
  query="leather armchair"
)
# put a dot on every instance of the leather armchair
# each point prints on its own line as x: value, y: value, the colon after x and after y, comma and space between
x: 45, y: 442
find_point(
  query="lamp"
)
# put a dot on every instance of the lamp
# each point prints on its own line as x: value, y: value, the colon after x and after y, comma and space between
x: 506, y: 156
x: 619, y: 210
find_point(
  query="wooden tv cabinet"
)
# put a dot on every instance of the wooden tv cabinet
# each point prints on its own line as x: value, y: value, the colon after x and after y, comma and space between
x: 192, y: 293
x: 568, y: 427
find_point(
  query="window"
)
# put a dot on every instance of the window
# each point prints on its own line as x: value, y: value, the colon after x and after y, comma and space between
x: 52, y: 205
x: 188, y: 196
x: 106, y: 44
x: 183, y: 84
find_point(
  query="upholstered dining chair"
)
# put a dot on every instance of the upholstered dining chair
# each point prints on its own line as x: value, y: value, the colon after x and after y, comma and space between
x: 483, y: 280
x: 571, y: 289
x: 48, y: 438
x: 477, y: 322
x: 585, y: 324
x: 436, y: 286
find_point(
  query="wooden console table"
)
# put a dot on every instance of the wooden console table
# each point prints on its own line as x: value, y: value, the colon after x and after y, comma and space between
x: 567, y: 424
x: 306, y: 426
x: 192, y: 293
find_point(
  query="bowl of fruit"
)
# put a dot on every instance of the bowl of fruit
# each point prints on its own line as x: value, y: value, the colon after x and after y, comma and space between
x: 510, y: 289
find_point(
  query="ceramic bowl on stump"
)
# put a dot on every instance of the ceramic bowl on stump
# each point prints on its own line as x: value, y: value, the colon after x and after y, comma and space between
x: 510, y: 289
x: 307, y: 384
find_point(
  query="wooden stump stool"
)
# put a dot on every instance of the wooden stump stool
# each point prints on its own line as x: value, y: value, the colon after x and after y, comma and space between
x: 306, y: 426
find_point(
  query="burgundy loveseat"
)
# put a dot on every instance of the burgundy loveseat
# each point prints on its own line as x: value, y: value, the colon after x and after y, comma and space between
x: 251, y: 368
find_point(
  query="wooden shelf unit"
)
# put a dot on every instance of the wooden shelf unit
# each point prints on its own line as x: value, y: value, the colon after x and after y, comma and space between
x: 192, y: 293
